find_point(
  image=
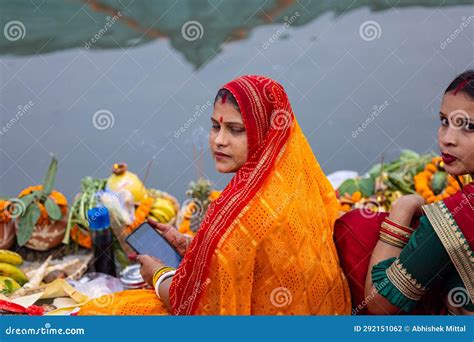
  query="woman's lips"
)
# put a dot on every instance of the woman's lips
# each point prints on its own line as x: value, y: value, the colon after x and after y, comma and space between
x: 448, y: 159
x: 221, y: 156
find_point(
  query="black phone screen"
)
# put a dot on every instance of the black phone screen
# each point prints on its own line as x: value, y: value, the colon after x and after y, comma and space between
x: 146, y: 240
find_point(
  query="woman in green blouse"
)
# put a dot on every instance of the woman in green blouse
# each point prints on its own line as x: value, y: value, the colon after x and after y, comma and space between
x: 406, y: 262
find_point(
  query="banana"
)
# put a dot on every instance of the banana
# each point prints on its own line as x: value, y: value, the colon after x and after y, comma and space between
x: 14, y: 272
x: 160, y: 215
x: 166, y: 206
x: 3, y: 286
x: 10, y: 257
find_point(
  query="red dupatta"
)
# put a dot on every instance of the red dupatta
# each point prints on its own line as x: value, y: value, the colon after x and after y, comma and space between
x: 268, y: 118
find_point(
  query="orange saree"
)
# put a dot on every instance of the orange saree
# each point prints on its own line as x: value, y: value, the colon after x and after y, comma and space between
x: 265, y: 246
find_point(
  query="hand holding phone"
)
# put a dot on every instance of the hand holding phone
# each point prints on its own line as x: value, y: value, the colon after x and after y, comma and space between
x: 145, y: 240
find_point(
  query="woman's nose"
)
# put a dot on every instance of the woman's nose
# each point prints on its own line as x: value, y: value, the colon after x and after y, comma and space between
x: 449, y: 137
x: 221, y: 138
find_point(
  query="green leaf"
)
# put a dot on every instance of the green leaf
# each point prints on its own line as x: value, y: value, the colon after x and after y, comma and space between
x: 374, y: 172
x: 53, y: 209
x: 27, y: 223
x: 408, y: 155
x: 50, y: 177
x: 349, y: 187
x: 367, y: 187
x: 28, y: 199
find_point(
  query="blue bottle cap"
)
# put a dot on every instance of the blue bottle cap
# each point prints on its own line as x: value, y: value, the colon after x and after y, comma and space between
x: 98, y: 218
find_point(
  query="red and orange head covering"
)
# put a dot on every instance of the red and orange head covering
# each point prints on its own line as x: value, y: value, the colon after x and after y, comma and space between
x: 272, y: 131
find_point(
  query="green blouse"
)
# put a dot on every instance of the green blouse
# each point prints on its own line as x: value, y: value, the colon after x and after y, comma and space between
x: 424, y: 260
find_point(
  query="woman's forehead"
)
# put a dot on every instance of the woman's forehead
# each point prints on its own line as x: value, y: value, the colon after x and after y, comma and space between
x: 455, y: 103
x: 226, y: 112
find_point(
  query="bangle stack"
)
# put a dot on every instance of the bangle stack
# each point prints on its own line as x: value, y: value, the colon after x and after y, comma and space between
x: 395, y: 234
x: 161, y: 275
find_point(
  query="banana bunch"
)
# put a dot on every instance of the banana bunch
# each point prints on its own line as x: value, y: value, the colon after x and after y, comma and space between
x: 9, y: 271
x: 162, y: 210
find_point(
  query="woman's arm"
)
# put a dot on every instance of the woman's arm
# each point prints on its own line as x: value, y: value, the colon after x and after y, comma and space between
x: 402, y: 212
x: 148, y: 267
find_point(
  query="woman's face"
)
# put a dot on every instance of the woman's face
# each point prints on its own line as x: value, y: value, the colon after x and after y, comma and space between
x: 456, y: 133
x: 228, y: 138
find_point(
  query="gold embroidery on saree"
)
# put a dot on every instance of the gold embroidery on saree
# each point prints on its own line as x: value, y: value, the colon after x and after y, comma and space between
x: 404, y: 281
x: 453, y: 241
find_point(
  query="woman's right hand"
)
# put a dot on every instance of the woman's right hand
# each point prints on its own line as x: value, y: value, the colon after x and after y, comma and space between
x: 176, y: 239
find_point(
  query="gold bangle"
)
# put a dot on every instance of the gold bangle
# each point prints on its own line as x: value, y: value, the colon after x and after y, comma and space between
x: 396, y: 230
x: 391, y: 241
x: 159, y: 272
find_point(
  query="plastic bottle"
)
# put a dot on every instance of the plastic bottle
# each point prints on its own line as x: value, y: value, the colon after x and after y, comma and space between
x: 99, y: 225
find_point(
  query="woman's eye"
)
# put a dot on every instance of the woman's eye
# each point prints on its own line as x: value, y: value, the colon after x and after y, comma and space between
x: 215, y: 127
x: 237, y: 130
x: 470, y: 126
x: 444, y: 122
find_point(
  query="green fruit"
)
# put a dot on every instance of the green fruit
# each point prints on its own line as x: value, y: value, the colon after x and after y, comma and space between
x: 14, y: 272
x: 8, y: 284
x: 10, y: 257
x: 438, y: 182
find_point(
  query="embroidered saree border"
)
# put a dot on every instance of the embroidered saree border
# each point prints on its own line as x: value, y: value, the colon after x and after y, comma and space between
x: 453, y: 241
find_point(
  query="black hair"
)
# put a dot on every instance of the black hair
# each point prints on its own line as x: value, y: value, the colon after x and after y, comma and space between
x: 463, y: 83
x: 227, y: 96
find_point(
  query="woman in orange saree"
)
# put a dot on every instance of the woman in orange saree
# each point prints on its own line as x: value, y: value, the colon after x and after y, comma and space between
x: 265, y: 246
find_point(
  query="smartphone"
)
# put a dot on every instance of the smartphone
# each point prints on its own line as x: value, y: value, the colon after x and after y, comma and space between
x: 146, y: 240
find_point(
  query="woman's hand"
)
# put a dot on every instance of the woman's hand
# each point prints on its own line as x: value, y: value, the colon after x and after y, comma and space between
x: 407, y: 208
x: 149, y: 265
x: 412, y: 203
x: 176, y: 239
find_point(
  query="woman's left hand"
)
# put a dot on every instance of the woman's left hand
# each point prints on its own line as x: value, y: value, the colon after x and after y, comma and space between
x: 149, y: 265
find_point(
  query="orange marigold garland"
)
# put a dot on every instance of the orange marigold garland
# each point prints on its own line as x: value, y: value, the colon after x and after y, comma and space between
x: 56, y: 196
x: 141, y: 214
x: 424, y: 178
x: 4, y: 215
